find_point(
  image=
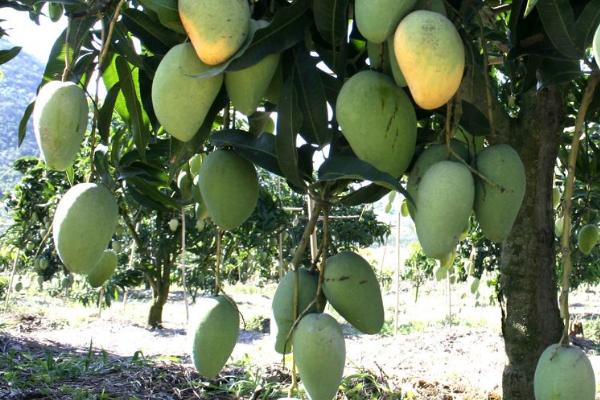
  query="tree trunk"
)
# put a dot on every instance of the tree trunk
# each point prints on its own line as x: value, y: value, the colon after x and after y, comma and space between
x: 530, y: 315
x: 160, y: 294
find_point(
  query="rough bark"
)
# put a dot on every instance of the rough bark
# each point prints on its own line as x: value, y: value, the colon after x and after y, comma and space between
x: 530, y: 315
x: 160, y: 294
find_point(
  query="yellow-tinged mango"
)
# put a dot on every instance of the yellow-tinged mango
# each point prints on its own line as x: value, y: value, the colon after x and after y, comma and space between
x: 60, y: 119
x: 104, y: 269
x: 84, y: 222
x: 217, y: 28
x: 564, y: 373
x: 213, y: 333
x: 283, y: 305
x: 431, y: 56
x: 377, y: 19
x: 229, y: 187
x: 378, y: 121
x: 180, y: 100
x: 247, y: 87
x: 351, y: 287
x: 444, y: 204
x: 497, y: 207
x: 588, y: 238
x: 320, y: 355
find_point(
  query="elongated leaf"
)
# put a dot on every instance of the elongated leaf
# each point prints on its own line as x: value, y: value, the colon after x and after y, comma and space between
x: 311, y: 98
x: 288, y: 123
x: 587, y: 23
x: 530, y: 6
x: 153, y: 35
x: 24, y: 121
x: 473, y: 120
x: 556, y: 72
x: 106, y: 112
x: 167, y: 13
x: 141, y: 136
x: 331, y: 19
x: 558, y: 20
x: 7, y: 55
x: 365, y: 195
x: 258, y: 149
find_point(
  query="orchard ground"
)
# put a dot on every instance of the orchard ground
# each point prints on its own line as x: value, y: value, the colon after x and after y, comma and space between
x: 429, y: 358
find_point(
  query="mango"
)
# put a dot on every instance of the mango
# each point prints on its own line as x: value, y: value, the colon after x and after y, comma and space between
x: 273, y: 93
x: 55, y: 11
x: 431, y: 155
x: 60, y: 119
x: 180, y: 100
x: 217, y: 28
x: 431, y: 56
x: 596, y: 45
x: 283, y: 305
x: 396, y: 72
x: 496, y: 208
x: 564, y: 373
x: 378, y: 121
x: 556, y: 197
x: 184, y: 183
x: 194, y: 163
x: 213, y: 334
x: 84, y: 222
x: 247, y: 87
x: 229, y: 187
x: 378, y: 56
x: 588, y: 238
x: 377, y: 19
x: 448, y: 260
x: 320, y: 355
x: 104, y: 269
x: 559, y: 224
x: 351, y: 287
x: 444, y: 204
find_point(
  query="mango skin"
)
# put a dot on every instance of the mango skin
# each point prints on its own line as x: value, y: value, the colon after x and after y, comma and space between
x: 247, y: 87
x: 217, y: 28
x: 378, y: 121
x: 377, y: 19
x: 431, y: 155
x: 181, y: 101
x: 283, y: 305
x: 60, y: 119
x: 320, y: 355
x: 104, y: 269
x: 596, y: 46
x: 497, y: 210
x: 587, y: 238
x: 229, y: 187
x: 213, y: 334
x: 431, y: 56
x: 444, y: 204
x: 351, y: 287
x: 84, y: 222
x: 564, y: 373
x: 396, y: 72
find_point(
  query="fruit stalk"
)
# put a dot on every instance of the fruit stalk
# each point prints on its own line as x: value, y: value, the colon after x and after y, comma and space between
x: 568, y: 203
x: 218, y: 262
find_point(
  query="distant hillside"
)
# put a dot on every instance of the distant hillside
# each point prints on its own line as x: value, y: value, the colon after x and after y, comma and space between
x: 19, y: 79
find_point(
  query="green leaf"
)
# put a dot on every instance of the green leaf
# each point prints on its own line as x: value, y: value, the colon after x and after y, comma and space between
x: 7, y: 55
x: 258, y: 149
x: 586, y: 24
x: 331, y: 19
x: 167, y: 13
x: 530, y: 5
x: 555, y: 72
x: 23, y: 123
x: 365, y: 195
x: 289, y: 121
x: 558, y: 20
x: 141, y: 136
x: 311, y: 98
x: 106, y: 112
x: 474, y: 121
x: 154, y: 36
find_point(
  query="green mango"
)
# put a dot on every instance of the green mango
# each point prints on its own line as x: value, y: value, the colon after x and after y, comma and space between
x: 104, y: 269
x: 180, y: 100
x: 378, y: 55
x: 431, y: 155
x: 404, y: 208
x: 444, y: 204
x: 559, y: 224
x: 247, y: 87
x: 564, y: 373
x: 201, y: 211
x: 448, y: 260
x: 55, y: 11
x: 497, y: 209
x: 320, y: 355
x: 596, y: 45
x: 229, y: 187
x: 440, y: 273
x: 273, y: 93
x: 196, y: 195
x: 351, y: 287
x: 184, y: 183
x: 396, y: 72
x: 556, y: 197
x: 213, y: 334
x: 60, y: 118
x: 217, y: 28
x: 378, y: 121
x: 84, y: 222
x: 377, y: 19
x: 431, y: 55
x: 283, y: 305
x: 588, y: 238
x: 194, y: 163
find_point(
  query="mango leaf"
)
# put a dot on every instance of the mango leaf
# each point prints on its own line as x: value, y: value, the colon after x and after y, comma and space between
x: 7, y: 55
x: 149, y: 195
x: 106, y: 112
x: 586, y: 24
x: 365, y: 195
x: 24, y: 121
x: 167, y: 13
x: 555, y: 72
x: 154, y: 36
x: 558, y: 20
x: 258, y: 149
x: 474, y: 121
x: 331, y: 19
x: 530, y: 6
x: 124, y: 46
x: 311, y: 98
x: 141, y: 136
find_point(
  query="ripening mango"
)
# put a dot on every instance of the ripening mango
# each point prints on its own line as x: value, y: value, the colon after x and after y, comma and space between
x: 217, y: 28
x: 378, y: 121
x: 588, y: 238
x: 431, y: 56
x: 377, y: 19
x: 181, y: 101
x: 104, y: 269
